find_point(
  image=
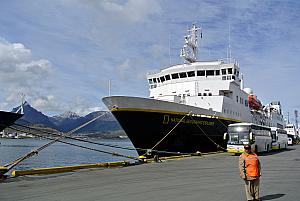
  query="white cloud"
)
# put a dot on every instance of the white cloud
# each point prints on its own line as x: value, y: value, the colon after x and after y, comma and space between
x: 132, y: 10
x: 123, y: 69
x: 21, y: 73
x: 43, y: 101
x: 16, y: 62
x: 81, y: 107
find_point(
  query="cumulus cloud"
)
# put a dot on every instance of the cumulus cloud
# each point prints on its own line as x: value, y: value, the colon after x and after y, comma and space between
x: 16, y: 61
x: 21, y: 73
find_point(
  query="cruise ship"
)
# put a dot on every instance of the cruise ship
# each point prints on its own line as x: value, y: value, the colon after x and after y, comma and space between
x: 190, y: 105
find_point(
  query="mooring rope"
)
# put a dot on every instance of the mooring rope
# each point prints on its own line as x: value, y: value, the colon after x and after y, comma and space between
x: 78, y: 139
x: 12, y: 164
x: 171, y: 130
x: 67, y: 135
x: 101, y: 144
x: 217, y: 145
x: 80, y: 146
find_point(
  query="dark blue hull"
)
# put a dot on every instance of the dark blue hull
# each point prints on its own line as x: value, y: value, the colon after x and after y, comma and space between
x: 193, y: 134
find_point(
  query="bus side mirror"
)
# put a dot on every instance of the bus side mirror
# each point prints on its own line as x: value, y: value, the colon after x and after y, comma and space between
x: 225, y: 137
x: 251, y: 137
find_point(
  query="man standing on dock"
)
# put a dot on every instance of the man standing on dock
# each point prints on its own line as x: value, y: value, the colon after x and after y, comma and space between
x: 249, y: 167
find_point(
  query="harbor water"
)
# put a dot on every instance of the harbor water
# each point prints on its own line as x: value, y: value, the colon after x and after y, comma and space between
x: 59, y: 154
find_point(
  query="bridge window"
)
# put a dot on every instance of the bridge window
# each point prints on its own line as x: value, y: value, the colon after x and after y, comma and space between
x: 229, y: 70
x: 154, y: 80
x: 200, y: 73
x: 162, y: 79
x: 210, y: 73
x: 167, y: 77
x: 150, y: 81
x: 217, y: 72
x: 182, y: 75
x: 223, y: 71
x: 175, y: 76
x: 191, y: 74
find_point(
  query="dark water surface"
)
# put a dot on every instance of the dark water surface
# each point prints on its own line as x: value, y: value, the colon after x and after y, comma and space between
x: 59, y: 154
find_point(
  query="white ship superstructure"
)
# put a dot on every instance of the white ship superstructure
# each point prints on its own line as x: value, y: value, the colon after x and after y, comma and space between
x: 213, y: 85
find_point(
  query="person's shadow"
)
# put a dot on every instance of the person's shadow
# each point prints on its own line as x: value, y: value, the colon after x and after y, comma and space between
x: 271, y: 197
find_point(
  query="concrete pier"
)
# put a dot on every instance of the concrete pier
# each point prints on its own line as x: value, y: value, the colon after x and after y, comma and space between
x: 211, y: 177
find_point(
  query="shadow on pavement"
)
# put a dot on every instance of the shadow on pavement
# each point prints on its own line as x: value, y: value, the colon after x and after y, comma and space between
x: 271, y: 197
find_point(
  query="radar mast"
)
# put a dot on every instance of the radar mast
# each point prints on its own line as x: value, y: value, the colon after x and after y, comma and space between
x: 190, y: 50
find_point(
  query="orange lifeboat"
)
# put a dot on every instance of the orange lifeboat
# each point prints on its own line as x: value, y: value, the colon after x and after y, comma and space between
x: 254, y: 103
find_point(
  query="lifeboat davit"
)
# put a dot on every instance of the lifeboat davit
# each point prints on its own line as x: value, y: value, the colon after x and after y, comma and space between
x: 254, y: 103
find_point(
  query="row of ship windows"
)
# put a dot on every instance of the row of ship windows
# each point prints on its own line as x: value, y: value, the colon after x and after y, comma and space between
x: 227, y: 71
x: 154, y: 85
x: 232, y: 113
x: 242, y: 101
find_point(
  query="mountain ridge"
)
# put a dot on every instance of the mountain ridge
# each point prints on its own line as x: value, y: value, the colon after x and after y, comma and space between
x: 69, y: 120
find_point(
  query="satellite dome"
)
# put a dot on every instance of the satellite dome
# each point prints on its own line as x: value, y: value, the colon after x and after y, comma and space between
x: 248, y: 90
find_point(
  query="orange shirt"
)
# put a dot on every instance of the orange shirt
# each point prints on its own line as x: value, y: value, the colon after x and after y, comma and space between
x: 249, y: 166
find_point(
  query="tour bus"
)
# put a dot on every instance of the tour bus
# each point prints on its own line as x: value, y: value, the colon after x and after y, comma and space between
x: 238, y: 134
x: 279, y: 138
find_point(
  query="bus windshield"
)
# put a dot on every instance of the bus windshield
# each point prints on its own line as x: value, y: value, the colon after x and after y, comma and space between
x: 238, y: 138
x: 238, y: 134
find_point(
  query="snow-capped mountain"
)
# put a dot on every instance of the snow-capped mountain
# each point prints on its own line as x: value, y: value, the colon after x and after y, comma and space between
x: 69, y: 120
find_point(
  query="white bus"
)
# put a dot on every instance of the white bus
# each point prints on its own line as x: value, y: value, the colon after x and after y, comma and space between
x: 292, y: 133
x: 279, y: 138
x: 238, y: 134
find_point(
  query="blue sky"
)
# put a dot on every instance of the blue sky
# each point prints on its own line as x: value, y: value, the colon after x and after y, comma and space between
x: 62, y: 53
